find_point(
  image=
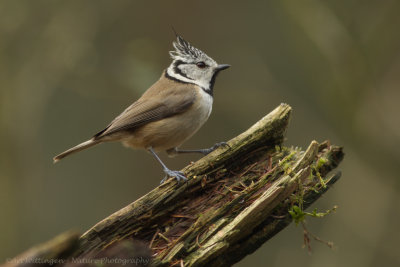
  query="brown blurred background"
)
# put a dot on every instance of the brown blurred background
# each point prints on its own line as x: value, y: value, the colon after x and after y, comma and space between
x: 68, y: 67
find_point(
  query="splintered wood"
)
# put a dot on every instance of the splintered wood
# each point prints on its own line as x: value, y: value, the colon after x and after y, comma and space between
x: 236, y: 198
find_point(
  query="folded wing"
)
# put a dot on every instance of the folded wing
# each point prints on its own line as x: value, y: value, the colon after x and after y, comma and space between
x: 152, y: 106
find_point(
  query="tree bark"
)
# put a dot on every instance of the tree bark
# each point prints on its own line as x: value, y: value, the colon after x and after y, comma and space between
x: 236, y: 198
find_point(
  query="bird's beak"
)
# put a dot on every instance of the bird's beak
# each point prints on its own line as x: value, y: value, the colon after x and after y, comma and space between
x: 222, y: 67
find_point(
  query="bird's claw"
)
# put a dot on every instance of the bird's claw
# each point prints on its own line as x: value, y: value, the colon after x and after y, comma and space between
x: 221, y: 144
x: 214, y: 147
x: 178, y: 175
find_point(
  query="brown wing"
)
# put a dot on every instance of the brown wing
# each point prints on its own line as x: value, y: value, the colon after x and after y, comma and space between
x: 152, y: 106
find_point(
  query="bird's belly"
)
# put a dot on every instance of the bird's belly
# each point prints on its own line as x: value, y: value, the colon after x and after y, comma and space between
x: 173, y: 131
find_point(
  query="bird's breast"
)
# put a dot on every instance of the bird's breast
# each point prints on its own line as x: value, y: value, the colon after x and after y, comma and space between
x: 204, y: 104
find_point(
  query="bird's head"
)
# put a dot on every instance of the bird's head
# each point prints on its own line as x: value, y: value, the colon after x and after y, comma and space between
x: 191, y: 65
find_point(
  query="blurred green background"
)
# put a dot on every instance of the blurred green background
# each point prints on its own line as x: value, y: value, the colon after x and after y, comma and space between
x: 67, y: 68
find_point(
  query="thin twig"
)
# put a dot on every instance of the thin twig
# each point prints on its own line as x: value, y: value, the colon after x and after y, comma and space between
x: 153, y: 238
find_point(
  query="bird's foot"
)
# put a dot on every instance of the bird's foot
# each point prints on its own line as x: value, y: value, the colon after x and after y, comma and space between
x: 211, y: 149
x: 179, y: 176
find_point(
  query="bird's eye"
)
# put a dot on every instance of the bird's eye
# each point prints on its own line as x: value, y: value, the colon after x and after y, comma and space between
x: 201, y: 64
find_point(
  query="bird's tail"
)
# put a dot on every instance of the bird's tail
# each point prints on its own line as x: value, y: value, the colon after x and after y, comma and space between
x: 82, y: 146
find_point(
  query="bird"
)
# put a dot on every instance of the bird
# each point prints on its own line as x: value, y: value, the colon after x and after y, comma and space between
x: 169, y: 112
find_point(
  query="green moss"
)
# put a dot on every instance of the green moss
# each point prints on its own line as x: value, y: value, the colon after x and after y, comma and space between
x: 285, y: 162
x: 321, y: 162
x: 299, y: 216
x: 321, y: 180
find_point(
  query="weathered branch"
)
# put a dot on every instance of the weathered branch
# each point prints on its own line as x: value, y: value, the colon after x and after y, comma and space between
x: 237, y: 197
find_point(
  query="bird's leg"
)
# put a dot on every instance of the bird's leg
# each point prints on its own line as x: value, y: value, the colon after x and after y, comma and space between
x: 204, y: 151
x: 179, y: 176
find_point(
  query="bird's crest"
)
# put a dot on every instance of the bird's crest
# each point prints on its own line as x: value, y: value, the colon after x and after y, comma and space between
x: 184, y: 50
